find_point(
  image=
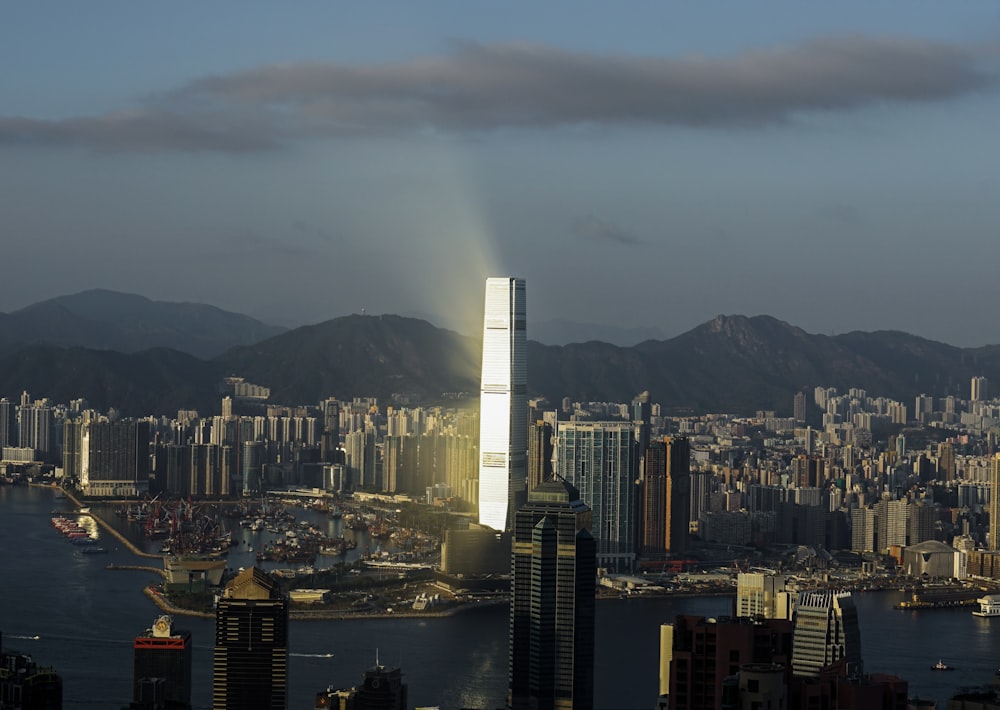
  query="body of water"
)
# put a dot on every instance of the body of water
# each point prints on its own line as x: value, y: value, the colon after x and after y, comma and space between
x: 86, y: 617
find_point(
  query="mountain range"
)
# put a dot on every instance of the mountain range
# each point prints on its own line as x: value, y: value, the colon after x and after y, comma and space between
x: 109, y: 320
x: 142, y: 357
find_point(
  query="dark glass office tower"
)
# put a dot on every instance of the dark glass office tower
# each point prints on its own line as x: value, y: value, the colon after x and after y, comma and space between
x: 554, y: 568
x: 382, y: 689
x: 161, y: 671
x: 250, y: 670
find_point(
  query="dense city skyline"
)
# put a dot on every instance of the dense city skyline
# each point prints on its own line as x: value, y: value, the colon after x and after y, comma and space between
x: 809, y: 163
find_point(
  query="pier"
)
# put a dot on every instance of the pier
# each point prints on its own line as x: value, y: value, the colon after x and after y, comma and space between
x: 111, y: 531
x: 139, y: 568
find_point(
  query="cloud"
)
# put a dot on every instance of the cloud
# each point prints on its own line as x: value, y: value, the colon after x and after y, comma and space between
x: 479, y: 88
x: 594, y: 229
x: 157, y: 129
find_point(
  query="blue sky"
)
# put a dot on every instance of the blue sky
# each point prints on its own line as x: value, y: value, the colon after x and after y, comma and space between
x: 651, y: 164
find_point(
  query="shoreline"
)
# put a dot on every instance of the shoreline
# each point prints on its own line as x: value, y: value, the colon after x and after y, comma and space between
x: 163, y: 603
x: 166, y: 606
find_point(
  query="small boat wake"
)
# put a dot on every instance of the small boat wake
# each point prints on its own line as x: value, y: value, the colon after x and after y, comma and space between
x: 311, y: 655
x: 25, y: 638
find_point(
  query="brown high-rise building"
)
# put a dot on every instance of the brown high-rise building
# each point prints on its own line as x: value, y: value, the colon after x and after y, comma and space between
x: 250, y: 669
x: 705, y: 652
x: 666, y: 496
x: 539, y: 453
x: 808, y: 471
x: 994, y: 536
x: 946, y: 461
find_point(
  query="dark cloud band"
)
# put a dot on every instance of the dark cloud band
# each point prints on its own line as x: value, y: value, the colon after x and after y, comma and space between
x: 479, y: 88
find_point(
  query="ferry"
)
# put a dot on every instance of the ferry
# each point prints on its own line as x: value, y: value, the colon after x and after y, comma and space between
x: 942, y: 666
x: 988, y: 605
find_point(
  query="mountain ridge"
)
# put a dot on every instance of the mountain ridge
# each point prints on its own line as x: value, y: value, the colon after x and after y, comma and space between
x: 732, y: 363
x: 103, y: 319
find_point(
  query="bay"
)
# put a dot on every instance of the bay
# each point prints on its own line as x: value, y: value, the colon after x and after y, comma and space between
x: 86, y: 617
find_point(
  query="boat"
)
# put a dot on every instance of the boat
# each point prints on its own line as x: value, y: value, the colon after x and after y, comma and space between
x: 942, y: 666
x: 988, y: 606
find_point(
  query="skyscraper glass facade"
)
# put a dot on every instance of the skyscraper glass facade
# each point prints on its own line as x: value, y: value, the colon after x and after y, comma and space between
x: 503, y: 404
x: 601, y: 460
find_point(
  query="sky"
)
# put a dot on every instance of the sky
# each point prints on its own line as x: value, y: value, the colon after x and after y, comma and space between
x: 640, y: 164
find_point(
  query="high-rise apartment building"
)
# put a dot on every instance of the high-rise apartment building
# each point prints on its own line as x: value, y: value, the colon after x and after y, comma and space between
x: 702, y: 485
x: 666, y: 498
x: 360, y: 457
x: 331, y: 429
x: 400, y: 464
x: 920, y: 519
x: 863, y: 528
x: 799, y: 406
x: 554, y: 572
x: 923, y: 408
x: 946, y: 461
x: 503, y: 405
x: 8, y: 423
x: 113, y: 457
x: 641, y: 413
x: 826, y: 632
x: 161, y: 675
x: 994, y: 536
x: 35, y: 426
x: 250, y: 667
x: 890, y: 520
x: 979, y: 389
x: 601, y: 460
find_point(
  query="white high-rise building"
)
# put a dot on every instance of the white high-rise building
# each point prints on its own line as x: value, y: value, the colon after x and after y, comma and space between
x: 503, y: 407
x: 826, y: 631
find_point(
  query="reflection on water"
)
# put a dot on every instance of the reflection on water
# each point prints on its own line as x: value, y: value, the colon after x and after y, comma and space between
x: 86, y: 617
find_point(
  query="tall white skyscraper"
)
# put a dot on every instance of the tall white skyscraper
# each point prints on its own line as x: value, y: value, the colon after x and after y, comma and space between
x: 503, y: 407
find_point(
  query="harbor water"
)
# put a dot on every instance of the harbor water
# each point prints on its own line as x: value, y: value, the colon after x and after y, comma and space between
x: 67, y: 610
